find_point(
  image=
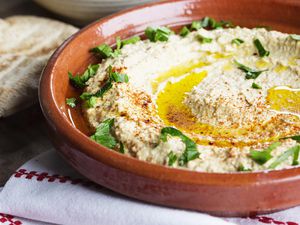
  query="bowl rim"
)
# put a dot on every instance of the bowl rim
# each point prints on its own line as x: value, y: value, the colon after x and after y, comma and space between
x: 57, y: 119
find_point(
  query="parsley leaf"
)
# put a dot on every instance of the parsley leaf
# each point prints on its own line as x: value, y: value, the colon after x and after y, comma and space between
x: 86, y: 96
x: 158, y: 34
x: 91, y: 102
x: 104, y: 50
x: 210, y: 23
x: 103, y: 135
x: 237, y: 41
x: 296, y: 138
x: 196, y: 25
x: 80, y: 80
x: 184, y: 31
x: 121, y: 150
x: 261, y: 50
x: 112, y: 77
x: 256, y: 86
x: 131, y: 40
x: 250, y: 73
x: 241, y: 168
x: 190, y: 152
x: 293, y: 151
x: 203, y: 39
x: 172, y: 157
x: 71, y: 102
x: 295, y: 37
x: 261, y: 157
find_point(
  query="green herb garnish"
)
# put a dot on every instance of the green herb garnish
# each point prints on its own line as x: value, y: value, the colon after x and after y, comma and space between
x: 237, y: 41
x: 71, y: 102
x: 103, y: 135
x: 208, y: 22
x: 241, y: 168
x: 117, y: 77
x: 196, y: 25
x: 256, y: 86
x: 261, y: 50
x: 295, y: 37
x: 158, y: 34
x: 86, y: 96
x: 80, y: 80
x: 121, y: 150
x: 105, y: 51
x: 296, y: 156
x: 172, y: 157
x: 190, y: 152
x: 128, y: 41
x: 295, y: 138
x: 250, y: 73
x: 113, y: 76
x: 261, y: 157
x: 91, y: 102
x: 203, y: 39
x: 294, y: 151
x: 184, y: 31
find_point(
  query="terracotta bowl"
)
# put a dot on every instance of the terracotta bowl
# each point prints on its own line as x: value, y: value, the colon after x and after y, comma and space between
x: 231, y: 194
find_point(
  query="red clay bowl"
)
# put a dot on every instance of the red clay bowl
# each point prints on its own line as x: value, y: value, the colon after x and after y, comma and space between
x: 231, y: 194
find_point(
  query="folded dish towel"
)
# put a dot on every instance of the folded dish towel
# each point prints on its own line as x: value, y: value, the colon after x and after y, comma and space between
x: 46, y: 190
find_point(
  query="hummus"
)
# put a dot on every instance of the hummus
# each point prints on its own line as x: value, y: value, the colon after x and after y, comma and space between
x: 234, y: 106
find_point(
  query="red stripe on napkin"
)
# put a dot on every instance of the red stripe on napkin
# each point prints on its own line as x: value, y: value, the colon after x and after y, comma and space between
x: 9, y: 219
x: 44, y: 176
x: 269, y: 220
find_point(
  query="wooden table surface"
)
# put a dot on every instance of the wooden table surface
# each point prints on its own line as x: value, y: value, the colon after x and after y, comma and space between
x: 23, y: 135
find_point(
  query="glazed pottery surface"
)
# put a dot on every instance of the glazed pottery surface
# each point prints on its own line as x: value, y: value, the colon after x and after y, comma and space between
x: 231, y: 194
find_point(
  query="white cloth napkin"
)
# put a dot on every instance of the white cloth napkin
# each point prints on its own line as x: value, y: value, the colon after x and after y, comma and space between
x: 46, y: 190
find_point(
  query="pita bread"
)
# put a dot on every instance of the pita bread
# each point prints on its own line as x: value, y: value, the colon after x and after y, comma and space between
x: 26, y: 43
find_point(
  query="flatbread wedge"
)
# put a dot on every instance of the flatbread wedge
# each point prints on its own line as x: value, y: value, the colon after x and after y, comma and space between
x: 26, y: 43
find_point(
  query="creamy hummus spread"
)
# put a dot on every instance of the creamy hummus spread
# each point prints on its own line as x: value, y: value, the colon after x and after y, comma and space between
x: 219, y: 100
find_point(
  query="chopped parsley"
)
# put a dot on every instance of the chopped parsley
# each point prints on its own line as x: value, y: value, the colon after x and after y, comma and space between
x: 71, y: 102
x: 122, y: 43
x: 293, y: 151
x: 172, y: 157
x: 237, y: 41
x: 261, y: 157
x: 207, y: 23
x: 113, y: 76
x: 103, y: 135
x: 158, y: 34
x: 190, y: 152
x: 91, y: 102
x: 295, y: 138
x: 80, y: 80
x: 121, y: 150
x: 261, y: 50
x: 295, y: 37
x: 184, y: 31
x: 210, y: 23
x: 241, y: 168
x: 105, y: 51
x: 203, y: 39
x: 250, y: 73
x: 256, y: 86
x: 196, y: 25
